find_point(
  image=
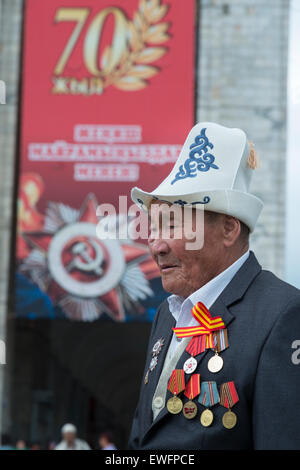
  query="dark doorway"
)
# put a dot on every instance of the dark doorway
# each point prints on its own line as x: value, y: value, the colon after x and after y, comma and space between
x: 87, y: 374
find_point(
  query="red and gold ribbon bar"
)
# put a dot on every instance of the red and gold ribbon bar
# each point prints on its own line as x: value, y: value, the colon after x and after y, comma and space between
x: 228, y: 395
x: 197, y: 345
x: 177, y: 381
x: 193, y: 387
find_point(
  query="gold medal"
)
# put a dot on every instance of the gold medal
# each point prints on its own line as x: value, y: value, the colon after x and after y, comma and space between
x: 229, y: 420
x: 206, y: 418
x: 190, y: 409
x: 174, y: 405
x: 215, y: 364
x: 228, y: 398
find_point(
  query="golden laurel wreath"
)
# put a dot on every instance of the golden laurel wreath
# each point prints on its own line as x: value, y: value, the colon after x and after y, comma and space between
x: 144, y: 33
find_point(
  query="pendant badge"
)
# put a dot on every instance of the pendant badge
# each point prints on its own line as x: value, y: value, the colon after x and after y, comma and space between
x: 190, y: 409
x: 196, y: 346
x: 228, y: 398
x: 220, y: 338
x: 175, y: 386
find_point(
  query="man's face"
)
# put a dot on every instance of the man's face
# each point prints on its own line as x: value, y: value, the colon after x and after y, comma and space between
x: 103, y: 442
x: 184, y: 271
x: 69, y: 437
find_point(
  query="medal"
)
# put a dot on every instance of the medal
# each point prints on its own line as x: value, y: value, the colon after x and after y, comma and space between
x: 196, y: 346
x: 209, y: 397
x: 190, y: 365
x: 229, y: 420
x: 220, y: 338
x: 157, y: 347
x: 153, y: 363
x: 174, y: 405
x: 228, y: 398
x: 215, y: 364
x: 192, y: 390
x: 206, y: 418
x: 189, y: 410
x: 175, y: 386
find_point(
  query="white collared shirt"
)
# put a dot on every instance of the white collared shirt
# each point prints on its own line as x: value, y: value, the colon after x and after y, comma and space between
x: 180, y: 308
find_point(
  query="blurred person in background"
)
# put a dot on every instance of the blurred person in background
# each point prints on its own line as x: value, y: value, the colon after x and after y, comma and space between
x: 35, y: 446
x: 21, y: 445
x: 69, y: 439
x: 106, y: 441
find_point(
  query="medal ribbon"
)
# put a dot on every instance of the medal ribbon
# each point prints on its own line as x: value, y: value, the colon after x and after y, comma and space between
x: 220, y: 339
x: 228, y: 395
x: 197, y: 345
x: 208, y: 325
x: 193, y: 387
x: 209, y: 395
x: 177, y: 381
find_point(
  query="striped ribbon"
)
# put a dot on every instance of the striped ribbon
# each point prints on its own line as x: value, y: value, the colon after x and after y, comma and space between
x: 197, y: 345
x: 220, y: 339
x: 228, y: 395
x: 208, y: 325
x: 177, y: 381
x: 209, y: 395
x: 193, y: 387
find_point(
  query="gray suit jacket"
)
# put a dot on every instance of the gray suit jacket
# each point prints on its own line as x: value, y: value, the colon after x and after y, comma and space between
x: 262, y: 314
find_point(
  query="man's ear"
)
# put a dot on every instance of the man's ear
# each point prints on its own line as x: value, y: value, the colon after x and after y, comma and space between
x: 231, y: 230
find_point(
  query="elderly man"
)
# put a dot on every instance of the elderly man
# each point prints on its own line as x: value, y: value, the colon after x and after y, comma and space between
x: 70, y: 440
x: 219, y: 370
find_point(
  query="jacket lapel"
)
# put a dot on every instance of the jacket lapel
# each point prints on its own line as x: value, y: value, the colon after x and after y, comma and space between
x: 165, y: 332
x: 233, y: 292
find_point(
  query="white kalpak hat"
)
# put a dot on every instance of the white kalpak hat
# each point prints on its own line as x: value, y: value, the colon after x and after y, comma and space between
x: 213, y: 171
x: 68, y: 428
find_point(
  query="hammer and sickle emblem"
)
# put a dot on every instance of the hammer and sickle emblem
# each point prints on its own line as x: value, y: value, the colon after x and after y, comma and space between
x: 89, y: 264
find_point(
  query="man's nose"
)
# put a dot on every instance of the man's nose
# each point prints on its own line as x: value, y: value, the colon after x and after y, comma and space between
x: 158, y: 247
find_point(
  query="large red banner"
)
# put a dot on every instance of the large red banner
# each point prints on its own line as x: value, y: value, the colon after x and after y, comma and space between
x: 107, y: 99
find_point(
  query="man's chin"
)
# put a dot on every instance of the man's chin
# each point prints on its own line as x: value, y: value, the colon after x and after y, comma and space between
x: 171, y: 286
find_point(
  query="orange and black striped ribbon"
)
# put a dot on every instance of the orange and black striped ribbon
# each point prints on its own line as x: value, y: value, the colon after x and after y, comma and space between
x: 177, y: 381
x: 193, y: 387
x: 228, y: 395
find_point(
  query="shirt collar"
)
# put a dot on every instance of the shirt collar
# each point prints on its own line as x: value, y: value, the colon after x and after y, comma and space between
x: 208, y: 293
